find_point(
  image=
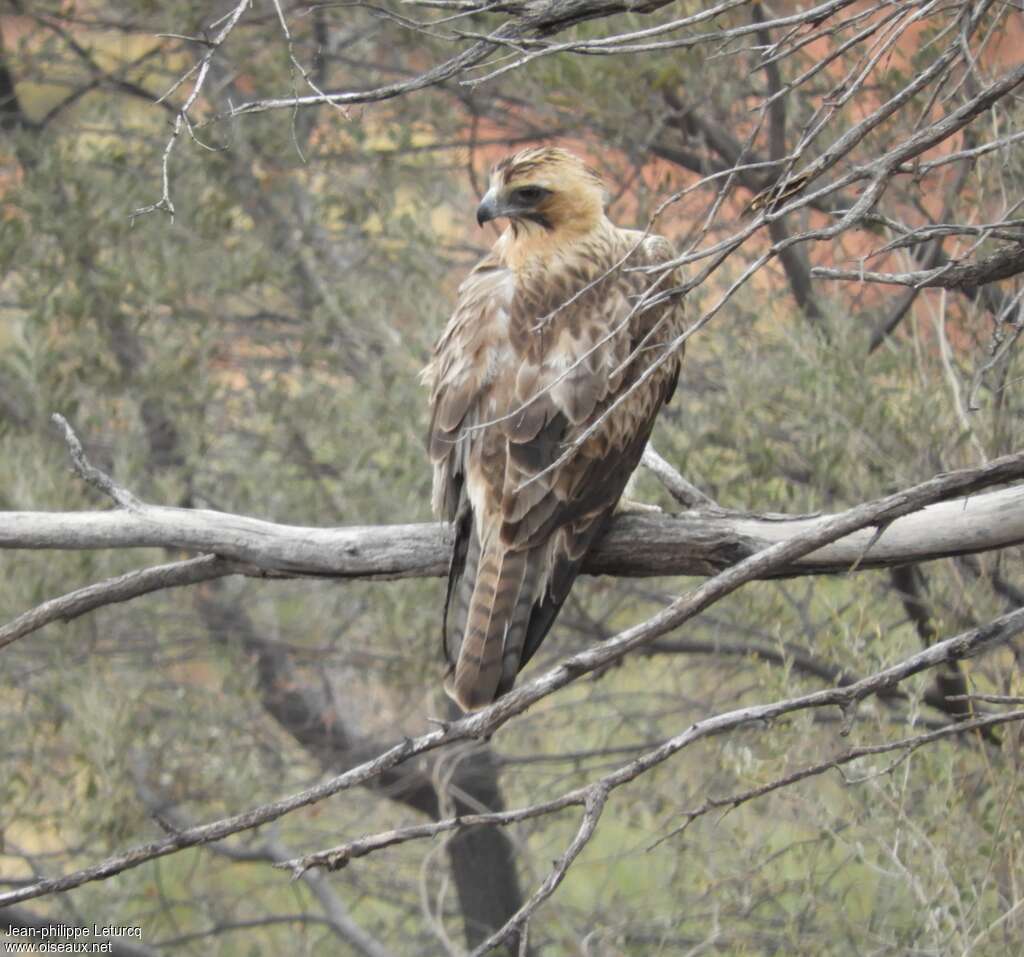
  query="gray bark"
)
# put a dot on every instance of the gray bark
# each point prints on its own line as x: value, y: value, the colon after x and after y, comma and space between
x: 697, y: 543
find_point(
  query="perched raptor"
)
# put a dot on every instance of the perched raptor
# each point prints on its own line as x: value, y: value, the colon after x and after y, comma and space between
x: 550, y: 330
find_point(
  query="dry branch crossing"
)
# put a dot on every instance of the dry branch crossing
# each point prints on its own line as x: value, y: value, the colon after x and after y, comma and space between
x: 697, y: 543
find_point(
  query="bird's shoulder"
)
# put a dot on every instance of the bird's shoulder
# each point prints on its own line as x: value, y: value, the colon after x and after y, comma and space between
x: 609, y: 257
x: 486, y: 278
x: 481, y: 309
x: 528, y: 324
x: 642, y: 248
x: 650, y: 273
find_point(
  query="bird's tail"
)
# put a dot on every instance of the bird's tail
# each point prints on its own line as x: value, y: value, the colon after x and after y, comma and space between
x: 493, y: 603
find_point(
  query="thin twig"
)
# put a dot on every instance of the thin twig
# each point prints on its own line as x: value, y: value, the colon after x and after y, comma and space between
x: 201, y: 70
x: 906, y: 746
x: 685, y: 493
x: 89, y: 473
x: 125, y: 587
x: 488, y: 720
x: 988, y: 698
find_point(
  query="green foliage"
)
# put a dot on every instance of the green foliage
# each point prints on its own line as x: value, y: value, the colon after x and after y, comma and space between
x: 259, y: 354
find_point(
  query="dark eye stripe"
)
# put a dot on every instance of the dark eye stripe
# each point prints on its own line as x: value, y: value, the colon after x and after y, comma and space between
x: 530, y: 194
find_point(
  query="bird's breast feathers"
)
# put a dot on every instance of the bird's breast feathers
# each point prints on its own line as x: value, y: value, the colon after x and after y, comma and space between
x: 544, y: 388
x: 558, y: 341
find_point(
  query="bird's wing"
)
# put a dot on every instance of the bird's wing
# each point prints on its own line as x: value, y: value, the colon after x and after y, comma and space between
x: 460, y: 377
x: 522, y: 374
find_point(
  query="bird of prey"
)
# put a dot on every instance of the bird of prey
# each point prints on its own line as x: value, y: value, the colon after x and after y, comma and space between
x: 558, y: 329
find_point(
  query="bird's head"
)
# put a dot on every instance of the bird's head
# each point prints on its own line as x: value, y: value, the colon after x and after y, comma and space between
x: 544, y: 189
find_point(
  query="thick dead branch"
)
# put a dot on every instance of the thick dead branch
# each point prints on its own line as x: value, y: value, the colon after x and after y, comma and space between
x: 692, y: 543
x: 965, y: 277
x: 488, y: 720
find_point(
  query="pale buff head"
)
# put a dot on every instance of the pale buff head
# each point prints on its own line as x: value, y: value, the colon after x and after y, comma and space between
x: 544, y: 190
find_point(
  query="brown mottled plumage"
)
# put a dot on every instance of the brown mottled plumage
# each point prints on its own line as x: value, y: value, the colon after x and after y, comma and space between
x: 508, y: 399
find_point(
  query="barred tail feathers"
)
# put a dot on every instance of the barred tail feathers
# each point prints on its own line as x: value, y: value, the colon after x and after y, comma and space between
x: 493, y: 627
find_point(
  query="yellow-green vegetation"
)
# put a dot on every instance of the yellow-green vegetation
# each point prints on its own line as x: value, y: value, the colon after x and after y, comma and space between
x: 259, y: 354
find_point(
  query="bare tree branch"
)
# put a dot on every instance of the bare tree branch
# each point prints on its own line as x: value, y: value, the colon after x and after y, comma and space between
x: 123, y: 588
x: 339, y: 857
x: 685, y: 493
x: 270, y: 849
x: 801, y: 662
x: 593, y: 805
x: 964, y: 277
x: 534, y: 20
x: 594, y: 795
x: 692, y: 543
x: 201, y: 70
x: 950, y: 683
x: 906, y: 746
x: 89, y: 473
x: 490, y: 719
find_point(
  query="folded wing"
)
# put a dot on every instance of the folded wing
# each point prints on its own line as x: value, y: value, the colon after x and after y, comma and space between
x: 543, y: 398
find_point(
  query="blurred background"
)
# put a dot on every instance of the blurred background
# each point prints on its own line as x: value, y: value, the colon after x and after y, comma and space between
x: 258, y: 353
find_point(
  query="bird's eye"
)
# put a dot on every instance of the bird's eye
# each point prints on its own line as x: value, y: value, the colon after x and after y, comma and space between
x: 530, y: 194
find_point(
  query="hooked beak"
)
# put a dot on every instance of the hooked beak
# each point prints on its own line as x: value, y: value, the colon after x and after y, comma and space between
x: 488, y: 208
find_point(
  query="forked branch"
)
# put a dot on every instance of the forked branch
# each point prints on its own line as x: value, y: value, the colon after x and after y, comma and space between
x: 488, y: 720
